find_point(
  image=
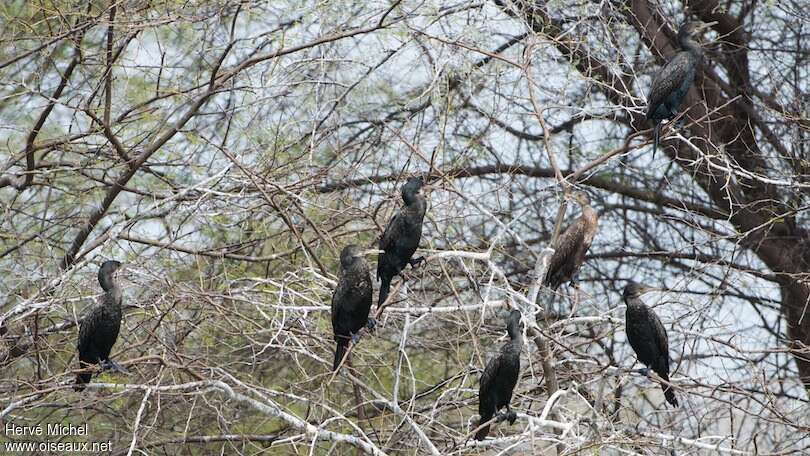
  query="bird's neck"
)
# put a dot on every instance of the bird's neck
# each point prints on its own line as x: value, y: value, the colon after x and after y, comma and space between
x: 634, y: 303
x: 515, y: 345
x: 346, y: 264
x: 106, y: 281
x: 416, y: 204
x: 588, y: 212
x: 113, y: 294
x: 515, y: 334
x: 692, y: 47
x: 355, y: 267
x: 412, y: 199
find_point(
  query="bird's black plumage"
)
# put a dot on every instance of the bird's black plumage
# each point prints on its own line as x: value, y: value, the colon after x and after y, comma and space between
x: 647, y: 336
x: 672, y: 82
x: 500, y: 377
x: 99, y: 329
x: 351, y: 301
x: 401, y: 237
x: 572, y: 245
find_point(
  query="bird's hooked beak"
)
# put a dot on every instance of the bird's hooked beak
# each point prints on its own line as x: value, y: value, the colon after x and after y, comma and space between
x: 648, y: 289
x: 706, y: 25
x: 372, y: 252
x: 121, y: 273
x: 703, y: 26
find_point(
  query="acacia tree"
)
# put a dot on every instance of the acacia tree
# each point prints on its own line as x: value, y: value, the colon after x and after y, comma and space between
x: 745, y: 151
x: 228, y: 151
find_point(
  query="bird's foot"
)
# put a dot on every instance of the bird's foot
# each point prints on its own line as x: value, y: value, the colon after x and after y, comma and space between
x: 355, y: 338
x: 371, y: 324
x: 575, y: 280
x: 112, y: 366
x: 645, y: 371
x: 505, y: 416
x: 415, y: 262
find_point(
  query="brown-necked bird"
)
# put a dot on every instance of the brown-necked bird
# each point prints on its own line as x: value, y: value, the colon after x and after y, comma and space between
x: 572, y: 245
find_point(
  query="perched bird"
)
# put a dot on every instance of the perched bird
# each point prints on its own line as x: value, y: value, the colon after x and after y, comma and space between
x: 351, y: 301
x: 572, y: 245
x: 670, y: 85
x: 99, y: 329
x: 401, y: 237
x: 647, y: 336
x: 500, y: 377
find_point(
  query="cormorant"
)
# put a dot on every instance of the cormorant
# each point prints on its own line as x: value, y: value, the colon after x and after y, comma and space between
x: 401, y: 237
x: 572, y: 245
x: 670, y: 85
x: 98, y: 330
x: 500, y: 377
x: 351, y: 301
x: 647, y: 336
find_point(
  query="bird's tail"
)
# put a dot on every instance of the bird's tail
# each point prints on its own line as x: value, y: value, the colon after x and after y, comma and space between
x: 385, y: 288
x: 484, y: 431
x: 656, y: 135
x: 81, y: 380
x: 547, y: 278
x: 340, y: 352
x: 669, y: 395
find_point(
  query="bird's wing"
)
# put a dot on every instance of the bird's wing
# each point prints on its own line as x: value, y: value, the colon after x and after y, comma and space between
x: 87, y: 327
x: 586, y: 234
x: 565, y: 247
x: 490, y: 372
x: 487, y: 383
x: 388, y: 237
x: 337, y: 297
x: 661, y: 338
x: 668, y: 80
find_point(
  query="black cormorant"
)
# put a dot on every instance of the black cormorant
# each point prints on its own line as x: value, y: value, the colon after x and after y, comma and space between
x: 647, y: 336
x: 401, y: 237
x: 670, y: 85
x: 500, y: 377
x: 351, y: 301
x: 98, y: 330
x: 572, y: 245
